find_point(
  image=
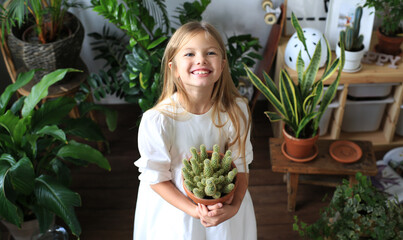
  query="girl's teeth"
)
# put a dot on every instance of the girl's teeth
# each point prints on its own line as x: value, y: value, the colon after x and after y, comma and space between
x: 200, y: 72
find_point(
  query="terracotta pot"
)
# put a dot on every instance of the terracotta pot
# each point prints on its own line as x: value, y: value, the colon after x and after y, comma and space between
x: 212, y: 201
x: 299, y: 149
x: 388, y: 45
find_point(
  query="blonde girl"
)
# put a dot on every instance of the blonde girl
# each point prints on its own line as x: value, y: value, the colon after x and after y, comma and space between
x: 199, y: 104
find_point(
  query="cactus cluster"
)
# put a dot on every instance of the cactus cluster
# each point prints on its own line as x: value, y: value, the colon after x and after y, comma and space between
x: 352, y: 40
x: 209, y: 177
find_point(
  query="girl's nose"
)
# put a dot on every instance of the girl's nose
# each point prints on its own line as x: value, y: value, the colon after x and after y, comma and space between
x: 200, y: 60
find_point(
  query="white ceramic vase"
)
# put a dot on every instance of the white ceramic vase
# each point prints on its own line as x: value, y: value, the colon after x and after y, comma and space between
x: 352, y: 59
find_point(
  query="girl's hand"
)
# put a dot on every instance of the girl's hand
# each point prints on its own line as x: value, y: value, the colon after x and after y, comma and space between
x: 213, y: 215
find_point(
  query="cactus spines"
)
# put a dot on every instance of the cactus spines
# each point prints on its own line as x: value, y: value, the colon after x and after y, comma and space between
x: 216, y: 148
x: 203, y: 152
x: 195, y: 155
x: 209, y: 178
x: 187, y: 164
x: 228, y: 188
x: 195, y: 166
x: 210, y: 188
x: 198, y: 193
x: 215, y: 160
x: 353, y: 41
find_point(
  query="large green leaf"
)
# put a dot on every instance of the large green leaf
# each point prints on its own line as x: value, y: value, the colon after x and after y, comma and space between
x: 53, y: 131
x: 10, y: 212
x: 22, y: 80
x: 58, y: 199
x: 111, y: 116
x: 13, y: 126
x: 40, y: 90
x: 52, y: 112
x: 22, y: 176
x: 84, y: 128
x: 83, y: 152
x: 266, y: 91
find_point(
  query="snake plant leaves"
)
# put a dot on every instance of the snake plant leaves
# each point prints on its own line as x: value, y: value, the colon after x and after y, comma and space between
x: 300, y: 33
x: 40, y: 90
x: 84, y: 152
x: 58, y: 199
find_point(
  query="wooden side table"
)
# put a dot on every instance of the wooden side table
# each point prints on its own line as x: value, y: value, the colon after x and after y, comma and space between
x: 323, y: 164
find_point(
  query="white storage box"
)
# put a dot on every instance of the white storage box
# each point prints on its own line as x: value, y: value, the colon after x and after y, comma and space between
x: 399, y: 124
x: 365, y: 90
x: 324, y: 121
x: 364, y: 116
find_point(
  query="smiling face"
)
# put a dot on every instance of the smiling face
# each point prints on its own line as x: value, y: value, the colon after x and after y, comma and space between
x: 199, y: 63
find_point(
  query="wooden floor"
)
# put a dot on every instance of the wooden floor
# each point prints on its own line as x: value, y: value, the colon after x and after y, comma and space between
x: 109, y: 198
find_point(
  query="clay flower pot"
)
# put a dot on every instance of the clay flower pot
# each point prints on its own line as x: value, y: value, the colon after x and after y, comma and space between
x: 299, y: 149
x: 388, y: 45
x: 209, y: 200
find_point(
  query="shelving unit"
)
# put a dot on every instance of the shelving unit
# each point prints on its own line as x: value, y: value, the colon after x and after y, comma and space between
x: 384, y: 138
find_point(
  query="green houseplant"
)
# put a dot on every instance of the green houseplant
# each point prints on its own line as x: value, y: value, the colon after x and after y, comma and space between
x: 133, y: 68
x: 42, y: 35
x: 296, y: 102
x: 390, y: 32
x: 356, y: 212
x: 353, y: 43
x: 36, y: 150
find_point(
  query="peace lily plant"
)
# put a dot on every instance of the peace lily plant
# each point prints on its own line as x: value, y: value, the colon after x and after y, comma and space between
x: 36, y: 150
x: 296, y: 103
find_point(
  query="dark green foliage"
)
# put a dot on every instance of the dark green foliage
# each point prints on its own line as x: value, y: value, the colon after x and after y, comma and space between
x: 355, y: 212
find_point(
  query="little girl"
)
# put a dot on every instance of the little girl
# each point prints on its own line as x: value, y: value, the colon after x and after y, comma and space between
x: 199, y: 104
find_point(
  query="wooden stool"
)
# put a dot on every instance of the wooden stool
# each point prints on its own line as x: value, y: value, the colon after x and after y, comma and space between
x: 323, y: 164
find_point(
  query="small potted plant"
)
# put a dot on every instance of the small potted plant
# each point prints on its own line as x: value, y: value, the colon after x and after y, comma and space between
x: 353, y: 44
x: 390, y: 32
x: 36, y: 150
x: 208, y: 176
x: 356, y: 212
x: 296, y: 101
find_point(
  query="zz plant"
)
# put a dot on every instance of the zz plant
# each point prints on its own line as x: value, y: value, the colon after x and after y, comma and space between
x: 209, y: 177
x: 36, y: 151
x: 296, y: 101
x: 133, y: 59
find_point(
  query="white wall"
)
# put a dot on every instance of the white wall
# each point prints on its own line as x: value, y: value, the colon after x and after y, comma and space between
x: 228, y: 16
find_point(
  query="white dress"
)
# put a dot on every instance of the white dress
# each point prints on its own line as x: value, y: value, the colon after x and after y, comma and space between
x: 163, y: 142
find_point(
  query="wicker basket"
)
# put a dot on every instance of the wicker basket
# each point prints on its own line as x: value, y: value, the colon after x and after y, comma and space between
x: 62, y: 53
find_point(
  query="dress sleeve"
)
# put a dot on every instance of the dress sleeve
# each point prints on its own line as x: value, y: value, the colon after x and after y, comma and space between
x: 236, y: 154
x: 154, y: 143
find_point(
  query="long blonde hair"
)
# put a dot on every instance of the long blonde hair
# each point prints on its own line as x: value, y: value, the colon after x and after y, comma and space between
x: 224, y: 95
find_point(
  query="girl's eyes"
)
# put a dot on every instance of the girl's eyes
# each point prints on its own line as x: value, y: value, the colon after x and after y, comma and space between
x: 192, y: 54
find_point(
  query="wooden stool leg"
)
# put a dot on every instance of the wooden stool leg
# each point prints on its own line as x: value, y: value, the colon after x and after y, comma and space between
x: 292, y: 188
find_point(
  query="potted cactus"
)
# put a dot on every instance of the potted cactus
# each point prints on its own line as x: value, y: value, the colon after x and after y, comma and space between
x: 353, y: 44
x: 208, y: 176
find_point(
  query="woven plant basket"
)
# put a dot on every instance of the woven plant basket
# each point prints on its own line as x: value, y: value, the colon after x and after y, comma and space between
x: 63, y: 53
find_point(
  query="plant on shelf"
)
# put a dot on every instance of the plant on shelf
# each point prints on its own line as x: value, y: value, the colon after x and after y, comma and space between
x: 353, y: 40
x: 133, y: 68
x: 37, y: 148
x: 356, y: 212
x: 390, y: 32
x: 296, y: 101
x: 353, y: 43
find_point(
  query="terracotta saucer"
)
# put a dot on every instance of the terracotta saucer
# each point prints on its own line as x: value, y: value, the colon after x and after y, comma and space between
x: 314, y: 154
x: 345, y: 151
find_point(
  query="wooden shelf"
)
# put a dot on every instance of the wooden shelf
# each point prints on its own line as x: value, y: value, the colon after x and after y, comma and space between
x: 382, y: 139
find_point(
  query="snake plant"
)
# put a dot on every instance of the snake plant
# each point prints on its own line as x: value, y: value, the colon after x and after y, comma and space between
x: 296, y: 101
x: 36, y: 151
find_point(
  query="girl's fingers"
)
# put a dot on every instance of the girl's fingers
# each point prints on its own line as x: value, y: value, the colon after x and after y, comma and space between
x: 215, y: 206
